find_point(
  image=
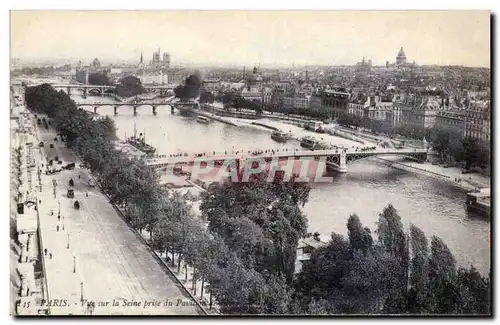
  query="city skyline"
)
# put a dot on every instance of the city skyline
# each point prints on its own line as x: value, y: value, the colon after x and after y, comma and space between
x: 250, y: 37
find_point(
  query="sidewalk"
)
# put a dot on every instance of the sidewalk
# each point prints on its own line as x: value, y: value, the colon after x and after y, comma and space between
x: 111, y: 266
x: 62, y: 283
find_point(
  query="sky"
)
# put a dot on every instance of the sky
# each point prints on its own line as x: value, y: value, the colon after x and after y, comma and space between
x: 253, y: 37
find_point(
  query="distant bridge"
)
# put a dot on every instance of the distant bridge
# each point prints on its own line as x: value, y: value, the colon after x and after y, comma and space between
x: 154, y: 103
x: 100, y: 89
x: 336, y: 159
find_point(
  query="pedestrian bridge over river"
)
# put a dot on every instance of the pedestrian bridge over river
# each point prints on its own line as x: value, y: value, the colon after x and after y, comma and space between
x: 336, y: 159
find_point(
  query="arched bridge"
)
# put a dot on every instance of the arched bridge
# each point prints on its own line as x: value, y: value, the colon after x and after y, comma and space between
x: 110, y: 89
x: 154, y: 103
x: 336, y: 159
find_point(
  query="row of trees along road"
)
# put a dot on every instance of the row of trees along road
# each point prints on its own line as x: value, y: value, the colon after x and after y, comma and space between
x: 247, y: 252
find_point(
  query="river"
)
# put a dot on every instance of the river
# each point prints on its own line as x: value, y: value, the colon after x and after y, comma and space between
x: 435, y: 206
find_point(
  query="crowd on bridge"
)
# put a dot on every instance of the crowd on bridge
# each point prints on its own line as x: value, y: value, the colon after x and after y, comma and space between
x: 366, y: 148
x: 249, y: 152
x: 257, y: 152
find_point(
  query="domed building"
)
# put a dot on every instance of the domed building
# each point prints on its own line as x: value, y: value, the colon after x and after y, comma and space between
x: 401, y: 58
x: 253, y: 86
x: 82, y: 72
x: 96, y: 65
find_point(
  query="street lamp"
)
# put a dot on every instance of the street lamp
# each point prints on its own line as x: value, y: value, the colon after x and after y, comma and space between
x: 74, y: 264
x: 68, y: 242
x: 81, y: 291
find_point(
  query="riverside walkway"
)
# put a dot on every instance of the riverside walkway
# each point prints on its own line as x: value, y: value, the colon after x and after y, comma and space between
x: 92, y: 254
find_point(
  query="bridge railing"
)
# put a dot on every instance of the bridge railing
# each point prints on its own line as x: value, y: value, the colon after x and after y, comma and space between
x: 276, y: 153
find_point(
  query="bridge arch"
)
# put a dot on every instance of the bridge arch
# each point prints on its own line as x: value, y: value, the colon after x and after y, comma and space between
x: 94, y: 91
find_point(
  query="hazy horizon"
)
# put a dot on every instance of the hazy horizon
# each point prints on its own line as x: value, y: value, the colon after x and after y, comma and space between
x: 271, y: 38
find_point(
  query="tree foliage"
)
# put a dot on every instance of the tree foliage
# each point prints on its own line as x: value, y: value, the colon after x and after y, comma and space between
x: 358, y: 275
x: 190, y: 89
x: 99, y: 79
x: 129, y: 86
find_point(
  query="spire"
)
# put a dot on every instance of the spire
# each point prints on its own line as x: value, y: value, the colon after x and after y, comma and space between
x: 141, y: 57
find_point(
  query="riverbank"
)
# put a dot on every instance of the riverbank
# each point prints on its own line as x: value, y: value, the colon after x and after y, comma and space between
x: 298, y: 132
x: 468, y: 182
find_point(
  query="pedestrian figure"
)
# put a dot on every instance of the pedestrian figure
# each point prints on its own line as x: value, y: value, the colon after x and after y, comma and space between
x: 57, y: 227
x: 59, y: 217
x: 39, y: 201
x: 50, y: 255
x: 45, y: 251
x: 87, y: 194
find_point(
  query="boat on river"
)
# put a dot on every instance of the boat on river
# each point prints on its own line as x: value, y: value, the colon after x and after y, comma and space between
x: 203, y: 120
x: 139, y: 142
x: 280, y: 136
x: 480, y: 202
x: 311, y: 143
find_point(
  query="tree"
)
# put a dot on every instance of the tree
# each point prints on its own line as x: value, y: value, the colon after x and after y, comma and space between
x: 98, y: 79
x: 471, y: 153
x: 359, y: 237
x: 272, y: 207
x: 419, y: 272
x: 442, y: 271
x: 446, y: 142
x: 394, y: 241
x: 207, y: 97
x: 129, y: 86
x: 190, y: 89
x: 474, y: 292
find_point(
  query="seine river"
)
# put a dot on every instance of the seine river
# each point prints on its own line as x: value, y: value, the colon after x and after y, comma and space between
x: 435, y: 206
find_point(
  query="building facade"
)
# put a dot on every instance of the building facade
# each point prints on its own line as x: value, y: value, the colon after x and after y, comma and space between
x: 478, y: 121
x: 451, y: 120
x: 336, y: 100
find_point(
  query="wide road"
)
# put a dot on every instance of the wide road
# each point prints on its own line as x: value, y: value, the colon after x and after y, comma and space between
x: 113, y: 262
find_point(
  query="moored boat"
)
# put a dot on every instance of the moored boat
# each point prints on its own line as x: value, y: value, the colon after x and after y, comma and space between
x: 140, y: 143
x: 203, y: 120
x: 479, y: 202
x: 307, y: 142
x: 311, y: 143
x: 280, y: 136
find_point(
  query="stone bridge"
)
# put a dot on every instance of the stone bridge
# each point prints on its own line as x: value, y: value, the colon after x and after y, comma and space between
x: 336, y: 159
x: 100, y: 90
x: 96, y: 89
x: 153, y: 103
